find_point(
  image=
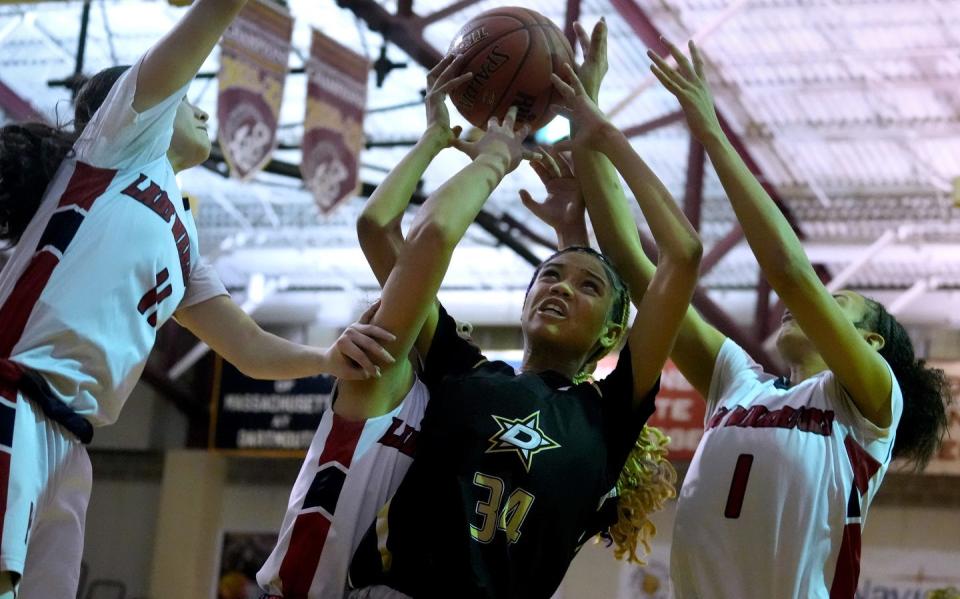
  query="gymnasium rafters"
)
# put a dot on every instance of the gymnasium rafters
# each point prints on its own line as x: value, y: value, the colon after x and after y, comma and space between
x: 851, y: 110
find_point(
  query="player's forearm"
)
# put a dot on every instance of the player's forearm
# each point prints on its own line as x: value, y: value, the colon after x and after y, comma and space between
x: 774, y: 243
x: 611, y: 217
x: 378, y: 228
x: 449, y: 210
x: 267, y: 356
x: 573, y: 231
x: 174, y: 60
x: 390, y: 199
x: 676, y: 238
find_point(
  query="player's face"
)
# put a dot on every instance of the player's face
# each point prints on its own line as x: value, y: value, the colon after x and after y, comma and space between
x: 190, y: 144
x: 792, y: 342
x: 569, y: 303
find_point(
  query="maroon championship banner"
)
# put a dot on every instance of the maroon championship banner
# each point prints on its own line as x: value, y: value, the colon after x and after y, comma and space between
x: 253, y: 68
x: 333, y: 124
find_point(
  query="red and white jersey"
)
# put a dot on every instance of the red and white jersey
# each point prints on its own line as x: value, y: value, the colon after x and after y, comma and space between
x: 779, y: 488
x: 108, y: 258
x: 351, y: 471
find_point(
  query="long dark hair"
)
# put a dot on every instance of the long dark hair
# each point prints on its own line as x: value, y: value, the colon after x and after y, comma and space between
x: 31, y: 153
x: 926, y: 391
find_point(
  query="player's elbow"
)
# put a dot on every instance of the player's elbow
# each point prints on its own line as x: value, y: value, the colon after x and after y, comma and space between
x: 432, y: 236
x: 790, y: 273
x: 684, y: 255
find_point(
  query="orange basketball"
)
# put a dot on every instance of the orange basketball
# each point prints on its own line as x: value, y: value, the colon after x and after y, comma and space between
x: 511, y: 52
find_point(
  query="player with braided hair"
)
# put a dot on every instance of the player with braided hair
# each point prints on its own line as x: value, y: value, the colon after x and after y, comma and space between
x: 512, y: 469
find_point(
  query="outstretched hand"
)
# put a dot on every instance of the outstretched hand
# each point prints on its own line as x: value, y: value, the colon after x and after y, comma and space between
x: 594, y: 47
x: 689, y: 85
x: 358, y: 354
x: 590, y: 126
x: 500, y: 140
x: 563, y: 208
x: 440, y: 80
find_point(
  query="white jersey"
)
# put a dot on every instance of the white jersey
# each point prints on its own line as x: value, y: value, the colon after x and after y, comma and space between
x: 351, y: 471
x: 109, y: 257
x: 779, y: 488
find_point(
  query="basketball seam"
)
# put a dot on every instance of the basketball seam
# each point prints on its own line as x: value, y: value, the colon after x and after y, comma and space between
x: 510, y: 83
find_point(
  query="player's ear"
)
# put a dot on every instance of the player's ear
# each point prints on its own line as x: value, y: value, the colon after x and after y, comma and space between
x: 611, y: 334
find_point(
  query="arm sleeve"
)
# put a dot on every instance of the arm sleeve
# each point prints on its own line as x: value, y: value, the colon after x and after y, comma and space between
x: 449, y: 352
x: 119, y: 137
x: 204, y: 284
x: 734, y: 369
x: 623, y: 419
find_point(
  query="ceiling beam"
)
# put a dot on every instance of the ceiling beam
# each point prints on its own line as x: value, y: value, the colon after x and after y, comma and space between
x: 404, y: 32
x: 653, y: 124
x: 448, y: 10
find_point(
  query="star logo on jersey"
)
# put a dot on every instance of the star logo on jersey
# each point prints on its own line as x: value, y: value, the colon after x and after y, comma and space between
x: 521, y: 435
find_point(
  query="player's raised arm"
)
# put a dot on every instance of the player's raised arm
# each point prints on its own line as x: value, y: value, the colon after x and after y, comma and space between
x: 662, y: 306
x: 378, y: 227
x: 698, y: 343
x: 174, y: 60
x: 410, y: 290
x: 846, y: 350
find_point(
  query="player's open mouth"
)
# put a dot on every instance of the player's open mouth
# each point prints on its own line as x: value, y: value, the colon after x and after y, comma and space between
x: 553, y: 307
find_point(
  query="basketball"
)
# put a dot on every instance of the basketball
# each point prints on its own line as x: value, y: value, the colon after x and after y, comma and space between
x: 511, y: 52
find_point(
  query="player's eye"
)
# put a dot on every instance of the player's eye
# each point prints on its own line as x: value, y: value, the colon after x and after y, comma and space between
x: 591, y: 286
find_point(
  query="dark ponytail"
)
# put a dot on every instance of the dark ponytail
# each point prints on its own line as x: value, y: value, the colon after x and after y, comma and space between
x: 31, y: 153
x: 926, y: 391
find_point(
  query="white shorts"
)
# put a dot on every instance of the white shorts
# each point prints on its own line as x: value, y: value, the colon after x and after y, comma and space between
x: 45, y: 478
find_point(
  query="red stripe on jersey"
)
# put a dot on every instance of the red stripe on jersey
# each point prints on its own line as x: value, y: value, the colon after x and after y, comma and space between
x: 303, y: 554
x: 848, y: 564
x: 310, y: 529
x: 864, y: 464
x: 19, y: 305
x: 342, y: 441
x: 86, y: 184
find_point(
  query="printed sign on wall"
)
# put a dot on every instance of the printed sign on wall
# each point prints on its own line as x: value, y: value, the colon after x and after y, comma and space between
x: 266, y: 416
x: 333, y: 125
x: 253, y: 68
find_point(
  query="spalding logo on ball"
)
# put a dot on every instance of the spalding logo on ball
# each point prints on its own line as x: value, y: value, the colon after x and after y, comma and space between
x: 511, y: 52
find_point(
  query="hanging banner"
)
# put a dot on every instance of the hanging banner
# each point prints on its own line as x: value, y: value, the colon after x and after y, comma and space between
x: 333, y: 124
x: 253, y: 68
x: 266, y: 417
